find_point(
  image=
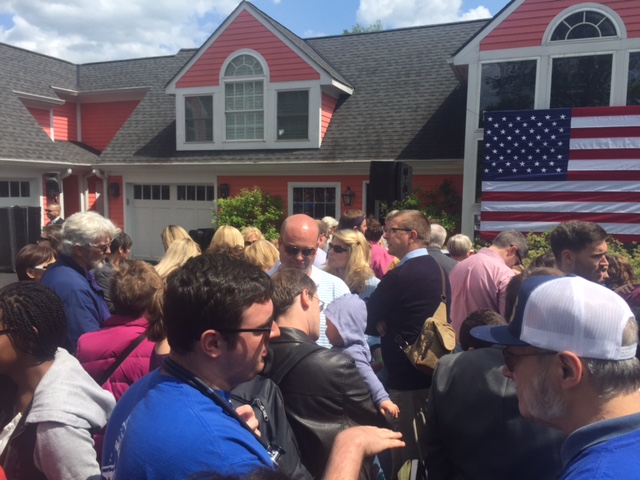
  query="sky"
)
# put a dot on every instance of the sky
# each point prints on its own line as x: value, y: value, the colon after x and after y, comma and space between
x: 83, y: 31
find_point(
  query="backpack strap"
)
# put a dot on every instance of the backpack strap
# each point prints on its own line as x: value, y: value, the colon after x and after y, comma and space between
x: 121, y: 358
x: 292, y: 358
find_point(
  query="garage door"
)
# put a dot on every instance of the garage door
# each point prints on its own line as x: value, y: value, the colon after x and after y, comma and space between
x: 154, y: 206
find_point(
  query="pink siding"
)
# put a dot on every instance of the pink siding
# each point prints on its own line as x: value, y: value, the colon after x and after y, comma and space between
x: 278, y: 185
x: 116, y: 205
x: 527, y: 24
x: 93, y: 184
x: 247, y: 32
x: 71, y: 195
x: 43, y: 118
x: 65, y: 123
x: 328, y: 107
x: 101, y: 121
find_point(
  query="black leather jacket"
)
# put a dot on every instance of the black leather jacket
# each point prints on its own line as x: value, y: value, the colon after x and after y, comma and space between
x: 323, y: 394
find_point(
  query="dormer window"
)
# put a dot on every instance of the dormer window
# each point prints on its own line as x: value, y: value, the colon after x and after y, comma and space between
x: 244, y: 98
x: 584, y: 24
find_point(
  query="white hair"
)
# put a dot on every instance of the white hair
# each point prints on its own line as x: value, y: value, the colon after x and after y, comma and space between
x: 86, y: 228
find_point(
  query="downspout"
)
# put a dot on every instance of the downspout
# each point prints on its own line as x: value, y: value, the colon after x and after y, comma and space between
x: 62, y: 176
x: 97, y: 173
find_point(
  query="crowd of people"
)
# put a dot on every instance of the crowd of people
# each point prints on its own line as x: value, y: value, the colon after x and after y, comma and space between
x: 248, y: 357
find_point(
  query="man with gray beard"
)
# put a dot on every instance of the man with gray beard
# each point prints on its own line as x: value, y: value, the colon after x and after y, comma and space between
x: 86, y: 237
x: 570, y: 349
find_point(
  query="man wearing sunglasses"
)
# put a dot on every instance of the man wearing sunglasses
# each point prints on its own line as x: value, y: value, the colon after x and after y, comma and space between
x: 571, y: 350
x: 299, y: 241
x: 406, y: 296
x: 480, y: 281
x: 85, y: 242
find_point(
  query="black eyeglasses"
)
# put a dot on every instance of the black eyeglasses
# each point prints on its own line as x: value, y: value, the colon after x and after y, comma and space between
x: 510, y: 357
x: 104, y: 248
x: 43, y: 239
x: 294, y: 251
x: 320, y: 304
x: 261, y: 330
x: 337, y: 248
x: 518, y: 256
x: 5, y: 331
x: 396, y: 230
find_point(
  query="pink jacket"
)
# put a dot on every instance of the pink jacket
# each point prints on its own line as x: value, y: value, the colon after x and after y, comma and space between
x: 98, y: 350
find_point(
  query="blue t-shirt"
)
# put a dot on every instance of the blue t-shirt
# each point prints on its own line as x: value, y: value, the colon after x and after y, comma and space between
x: 164, y: 429
x: 609, y: 449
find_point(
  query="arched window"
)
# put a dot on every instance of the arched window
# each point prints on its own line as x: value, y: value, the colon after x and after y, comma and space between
x: 584, y: 24
x: 244, y: 98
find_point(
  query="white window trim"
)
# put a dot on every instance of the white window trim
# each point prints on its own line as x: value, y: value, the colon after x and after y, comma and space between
x: 336, y: 185
x: 604, y: 10
x: 271, y: 90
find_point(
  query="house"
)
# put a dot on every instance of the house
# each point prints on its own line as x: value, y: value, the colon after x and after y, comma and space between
x: 154, y: 141
x: 541, y: 54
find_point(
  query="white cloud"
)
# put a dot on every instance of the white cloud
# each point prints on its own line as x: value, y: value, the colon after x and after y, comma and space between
x: 408, y: 13
x: 93, y: 30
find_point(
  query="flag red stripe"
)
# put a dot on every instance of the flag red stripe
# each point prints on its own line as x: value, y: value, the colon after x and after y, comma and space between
x: 605, y: 132
x: 560, y: 217
x: 605, y: 154
x: 490, y: 235
x: 605, y: 111
x: 627, y: 175
x: 560, y: 197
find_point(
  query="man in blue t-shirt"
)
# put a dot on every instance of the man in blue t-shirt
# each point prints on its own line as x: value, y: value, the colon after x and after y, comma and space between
x: 571, y: 350
x: 177, y: 421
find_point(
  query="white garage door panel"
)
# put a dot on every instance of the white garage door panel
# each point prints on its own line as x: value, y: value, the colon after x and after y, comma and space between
x: 149, y: 217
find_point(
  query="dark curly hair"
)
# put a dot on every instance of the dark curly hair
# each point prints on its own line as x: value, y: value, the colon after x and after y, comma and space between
x: 34, y: 317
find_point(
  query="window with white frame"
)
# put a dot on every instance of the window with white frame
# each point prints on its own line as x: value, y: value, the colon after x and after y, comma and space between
x: 315, y: 200
x: 584, y: 24
x: 633, y: 83
x: 198, y: 118
x: 244, y: 98
x: 508, y: 86
x: 197, y: 193
x: 14, y: 189
x: 293, y: 115
x: 583, y: 81
x: 151, y: 192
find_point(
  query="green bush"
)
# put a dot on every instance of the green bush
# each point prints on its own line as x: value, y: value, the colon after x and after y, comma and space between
x: 251, y: 208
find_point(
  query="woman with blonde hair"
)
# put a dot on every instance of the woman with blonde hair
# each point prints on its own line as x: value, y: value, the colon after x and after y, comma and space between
x: 177, y: 254
x: 171, y: 233
x: 350, y: 259
x: 459, y: 247
x: 251, y: 235
x: 263, y: 254
x: 226, y: 235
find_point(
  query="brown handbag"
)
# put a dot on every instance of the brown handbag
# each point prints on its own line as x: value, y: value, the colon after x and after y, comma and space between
x: 437, y: 338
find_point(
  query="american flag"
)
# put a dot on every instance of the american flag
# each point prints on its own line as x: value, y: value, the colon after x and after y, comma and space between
x: 542, y: 167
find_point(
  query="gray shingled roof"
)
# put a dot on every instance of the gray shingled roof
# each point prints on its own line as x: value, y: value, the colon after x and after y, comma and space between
x: 35, y: 74
x: 407, y: 103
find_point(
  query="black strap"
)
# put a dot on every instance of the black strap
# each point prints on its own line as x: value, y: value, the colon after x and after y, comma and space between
x: 292, y: 358
x: 190, y: 379
x: 121, y: 358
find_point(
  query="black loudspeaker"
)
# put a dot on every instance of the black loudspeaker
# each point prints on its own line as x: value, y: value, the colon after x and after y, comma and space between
x: 20, y: 226
x: 52, y: 184
x: 388, y: 182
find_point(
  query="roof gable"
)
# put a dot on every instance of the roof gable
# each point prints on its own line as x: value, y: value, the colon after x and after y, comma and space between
x: 523, y: 23
x: 248, y: 29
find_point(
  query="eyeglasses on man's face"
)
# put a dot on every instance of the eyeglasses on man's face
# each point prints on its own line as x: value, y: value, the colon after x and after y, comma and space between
x: 104, y: 248
x: 518, y: 256
x: 261, y: 330
x: 295, y: 251
x: 394, y: 230
x: 320, y: 303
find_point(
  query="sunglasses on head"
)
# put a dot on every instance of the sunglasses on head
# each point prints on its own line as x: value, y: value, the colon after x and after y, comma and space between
x: 294, y: 251
x: 337, y: 248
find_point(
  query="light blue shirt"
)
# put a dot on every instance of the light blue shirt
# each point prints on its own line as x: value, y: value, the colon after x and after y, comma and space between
x: 418, y: 252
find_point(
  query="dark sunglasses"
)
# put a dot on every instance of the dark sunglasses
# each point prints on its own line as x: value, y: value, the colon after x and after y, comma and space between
x: 43, y: 239
x: 5, y: 331
x: 294, y: 251
x: 518, y: 255
x: 510, y: 357
x: 104, y: 248
x: 337, y: 248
